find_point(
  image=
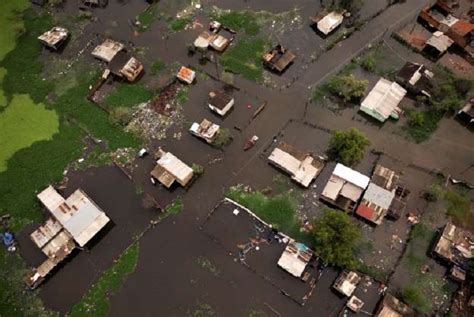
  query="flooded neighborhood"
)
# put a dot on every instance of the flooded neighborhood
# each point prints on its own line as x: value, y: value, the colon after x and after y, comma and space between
x: 237, y: 158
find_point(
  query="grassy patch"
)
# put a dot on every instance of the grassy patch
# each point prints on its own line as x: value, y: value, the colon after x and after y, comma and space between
x: 421, y: 124
x: 206, y: 264
x: 178, y: 24
x: 182, y: 95
x: 202, y: 310
x: 96, y: 301
x: 245, y: 58
x: 23, y: 123
x: 14, y: 300
x: 175, y: 207
x: 459, y: 208
x: 423, y: 286
x: 239, y: 20
x: 279, y: 210
x: 146, y: 18
x: 128, y: 95
x: 157, y: 67
x: 10, y: 24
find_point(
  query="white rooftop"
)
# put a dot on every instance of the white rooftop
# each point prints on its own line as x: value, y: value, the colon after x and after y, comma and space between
x: 379, y: 196
x: 330, y: 22
x: 176, y: 167
x: 384, y: 98
x: 351, y: 176
x: 77, y: 214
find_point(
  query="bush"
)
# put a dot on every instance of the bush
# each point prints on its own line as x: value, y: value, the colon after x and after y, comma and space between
x: 336, y: 238
x: 368, y: 63
x: 179, y: 24
x: 348, y: 87
x: 416, y: 118
x: 121, y: 115
x: 197, y: 169
x: 157, y: 67
x: 348, y: 146
x: 224, y: 137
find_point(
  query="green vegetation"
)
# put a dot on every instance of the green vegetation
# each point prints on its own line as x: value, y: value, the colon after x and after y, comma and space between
x: 459, y: 208
x: 421, y: 124
x: 175, y: 207
x: 23, y: 123
x: 197, y: 169
x: 146, y: 18
x: 121, y: 115
x: 344, y: 5
x: 224, y: 137
x: 245, y: 58
x: 449, y: 91
x: 347, y: 146
x: 336, y: 238
x: 182, y: 95
x: 257, y: 313
x: 10, y: 24
x: 128, y: 95
x: 369, y: 63
x: 279, y: 210
x: 348, y: 87
x: 423, y: 286
x: 157, y: 67
x: 239, y: 20
x: 202, y: 310
x: 179, y: 24
x: 96, y: 301
x: 14, y: 300
x: 206, y: 264
x: 380, y: 60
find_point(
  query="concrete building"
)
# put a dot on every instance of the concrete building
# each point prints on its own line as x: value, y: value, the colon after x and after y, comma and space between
x: 455, y: 246
x: 393, y: 307
x: 344, y: 188
x: 107, y: 50
x: 295, y: 258
x: 205, y: 130
x: 220, y: 102
x: 125, y: 66
x: 330, y: 22
x: 302, y: 167
x: 54, y: 38
x: 74, y: 222
x: 170, y: 169
x: 383, y: 100
x: 346, y: 283
x: 375, y: 203
x: 416, y: 78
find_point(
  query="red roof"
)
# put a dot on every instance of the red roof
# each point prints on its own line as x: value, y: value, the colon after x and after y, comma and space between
x: 462, y: 27
x: 365, y: 211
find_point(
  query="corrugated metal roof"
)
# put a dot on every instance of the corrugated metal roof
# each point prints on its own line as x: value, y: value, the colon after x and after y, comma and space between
x: 351, y: 176
x: 383, y: 99
x: 176, y: 167
x: 379, y: 196
x: 439, y: 41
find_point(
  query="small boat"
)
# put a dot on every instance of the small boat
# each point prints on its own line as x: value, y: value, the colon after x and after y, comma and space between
x: 250, y: 142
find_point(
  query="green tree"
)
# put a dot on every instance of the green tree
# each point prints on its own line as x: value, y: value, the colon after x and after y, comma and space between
x: 348, y: 87
x: 416, y: 118
x: 348, y: 146
x: 336, y: 238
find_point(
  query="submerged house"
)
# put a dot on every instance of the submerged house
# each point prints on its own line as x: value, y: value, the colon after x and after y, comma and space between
x: 74, y: 222
x: 220, y: 102
x: 186, y: 75
x: 438, y: 44
x: 467, y: 112
x: 383, y: 100
x: 330, y: 22
x: 375, y: 203
x: 346, y: 283
x: 416, y: 78
x: 125, y: 66
x: 205, y: 130
x: 295, y: 258
x: 302, y: 167
x: 216, y: 41
x: 278, y: 58
x: 456, y: 247
x: 344, y: 188
x: 107, y: 50
x: 393, y: 307
x: 170, y: 169
x: 54, y: 38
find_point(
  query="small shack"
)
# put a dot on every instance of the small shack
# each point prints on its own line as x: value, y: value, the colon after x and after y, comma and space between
x: 186, y: 75
x: 74, y: 222
x: 295, y: 257
x: 170, y: 169
x: 383, y: 100
x: 355, y: 304
x: 216, y: 41
x: 437, y: 44
x: 302, y: 167
x: 455, y: 245
x: 278, y: 58
x: 125, y: 66
x: 346, y: 282
x: 107, y: 50
x: 416, y: 78
x: 467, y: 112
x: 344, y: 188
x: 375, y: 203
x: 205, y: 130
x: 393, y: 307
x: 54, y: 38
x: 220, y: 102
x: 330, y: 22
